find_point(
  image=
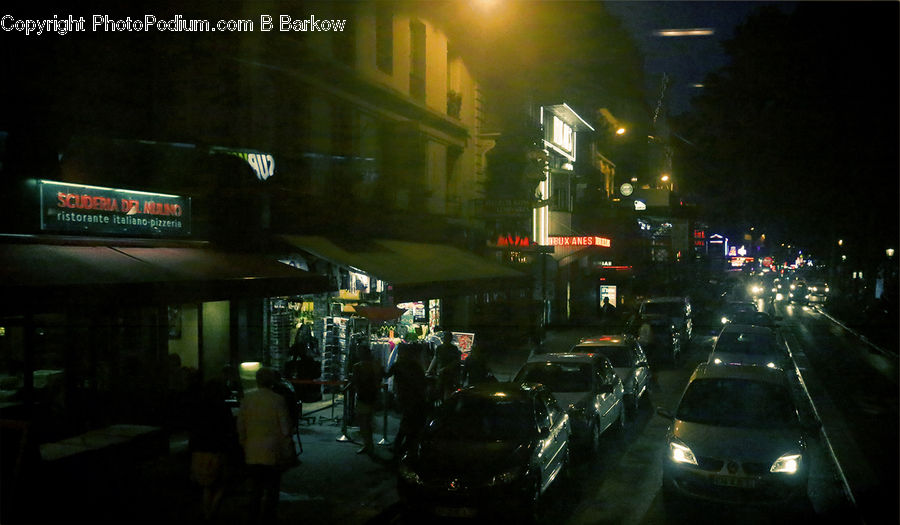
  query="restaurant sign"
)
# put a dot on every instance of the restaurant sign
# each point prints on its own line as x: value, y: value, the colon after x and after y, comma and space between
x: 94, y: 210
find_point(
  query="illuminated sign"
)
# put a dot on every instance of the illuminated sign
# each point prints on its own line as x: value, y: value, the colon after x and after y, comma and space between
x: 77, y: 208
x: 640, y: 205
x: 582, y: 240
x: 510, y: 241
x: 262, y: 164
x: 563, y: 136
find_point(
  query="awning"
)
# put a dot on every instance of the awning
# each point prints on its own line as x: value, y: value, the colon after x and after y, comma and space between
x: 415, y: 270
x: 47, y: 277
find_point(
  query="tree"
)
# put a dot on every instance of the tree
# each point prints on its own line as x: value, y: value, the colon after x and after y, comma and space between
x: 799, y: 132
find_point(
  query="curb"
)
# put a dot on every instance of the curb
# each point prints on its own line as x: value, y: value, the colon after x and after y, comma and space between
x: 861, y: 337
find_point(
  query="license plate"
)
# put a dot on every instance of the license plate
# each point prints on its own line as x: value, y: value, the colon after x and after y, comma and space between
x: 734, y: 481
x: 455, y: 512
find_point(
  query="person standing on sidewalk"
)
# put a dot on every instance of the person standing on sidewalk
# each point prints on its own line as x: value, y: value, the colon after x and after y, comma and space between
x: 366, y: 379
x: 213, y: 442
x: 446, y: 364
x: 264, y: 431
x: 409, y: 378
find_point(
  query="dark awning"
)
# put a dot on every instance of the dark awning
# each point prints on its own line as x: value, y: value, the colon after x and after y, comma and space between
x: 46, y: 277
x: 415, y: 270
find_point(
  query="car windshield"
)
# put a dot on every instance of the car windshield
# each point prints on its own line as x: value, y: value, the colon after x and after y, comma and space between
x: 667, y: 309
x: 558, y: 377
x: 478, y: 418
x: 727, y: 402
x: 753, y: 343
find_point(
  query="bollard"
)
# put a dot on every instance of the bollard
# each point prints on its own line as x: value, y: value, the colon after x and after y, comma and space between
x: 343, y: 437
x: 384, y: 440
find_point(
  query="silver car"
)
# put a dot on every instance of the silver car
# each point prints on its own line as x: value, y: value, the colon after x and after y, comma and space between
x: 586, y: 386
x: 628, y: 360
x: 741, y: 344
x: 735, y: 437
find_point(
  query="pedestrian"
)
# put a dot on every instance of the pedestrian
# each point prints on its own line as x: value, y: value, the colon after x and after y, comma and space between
x: 446, y: 364
x: 366, y: 376
x: 607, y: 313
x: 212, y: 444
x: 264, y: 430
x: 409, y: 379
x: 476, y: 367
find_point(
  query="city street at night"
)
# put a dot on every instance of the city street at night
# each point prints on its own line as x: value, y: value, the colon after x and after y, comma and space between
x: 450, y: 261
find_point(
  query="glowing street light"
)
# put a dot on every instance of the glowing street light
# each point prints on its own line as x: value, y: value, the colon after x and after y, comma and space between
x: 620, y: 131
x: 840, y: 242
x: 664, y: 178
x: 889, y: 252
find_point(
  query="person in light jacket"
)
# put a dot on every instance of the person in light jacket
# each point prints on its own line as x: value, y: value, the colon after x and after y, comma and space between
x: 264, y: 431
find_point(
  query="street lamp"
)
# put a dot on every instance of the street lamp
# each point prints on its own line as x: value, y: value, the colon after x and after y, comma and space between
x: 889, y: 252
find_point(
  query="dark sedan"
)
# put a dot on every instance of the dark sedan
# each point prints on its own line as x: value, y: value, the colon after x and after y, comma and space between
x: 489, y: 449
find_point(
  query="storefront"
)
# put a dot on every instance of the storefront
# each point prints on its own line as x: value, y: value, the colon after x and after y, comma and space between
x: 391, y: 291
x: 110, y: 308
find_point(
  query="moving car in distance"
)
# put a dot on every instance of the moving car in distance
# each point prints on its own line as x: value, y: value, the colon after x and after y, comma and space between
x: 733, y: 308
x: 798, y: 293
x: 741, y: 344
x: 664, y: 326
x: 818, y: 292
x: 755, y: 319
x: 586, y: 386
x: 736, y: 437
x: 489, y: 449
x: 628, y: 360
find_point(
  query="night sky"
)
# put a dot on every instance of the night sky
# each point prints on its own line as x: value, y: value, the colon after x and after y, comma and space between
x: 686, y: 60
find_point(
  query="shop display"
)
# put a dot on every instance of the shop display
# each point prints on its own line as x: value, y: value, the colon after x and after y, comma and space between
x: 334, y: 346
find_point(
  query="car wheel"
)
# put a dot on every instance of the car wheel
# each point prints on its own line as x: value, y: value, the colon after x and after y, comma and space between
x: 620, y: 424
x: 532, y: 507
x: 594, y: 437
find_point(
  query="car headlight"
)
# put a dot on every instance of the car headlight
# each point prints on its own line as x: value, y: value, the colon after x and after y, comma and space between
x: 510, y: 476
x: 408, y: 474
x: 774, y: 290
x: 788, y: 463
x: 792, y: 287
x: 771, y: 365
x: 717, y: 361
x: 779, y: 297
x: 813, y: 289
x: 682, y: 454
x: 724, y: 320
x: 826, y: 289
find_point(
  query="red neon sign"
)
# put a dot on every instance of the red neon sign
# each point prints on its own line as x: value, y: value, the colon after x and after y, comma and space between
x: 580, y: 240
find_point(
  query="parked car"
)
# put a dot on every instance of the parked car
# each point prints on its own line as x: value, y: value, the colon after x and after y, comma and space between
x: 586, y: 386
x: 749, y: 345
x: 628, y: 360
x: 736, y: 437
x: 664, y: 327
x: 491, y: 448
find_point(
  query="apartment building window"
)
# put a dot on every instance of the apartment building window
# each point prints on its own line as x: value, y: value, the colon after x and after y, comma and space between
x: 384, y: 37
x: 417, y: 60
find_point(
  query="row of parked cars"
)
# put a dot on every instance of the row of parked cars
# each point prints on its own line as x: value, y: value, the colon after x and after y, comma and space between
x: 735, y: 436
x: 498, y: 447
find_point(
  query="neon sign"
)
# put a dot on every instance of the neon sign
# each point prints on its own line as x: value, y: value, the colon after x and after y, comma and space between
x: 581, y: 240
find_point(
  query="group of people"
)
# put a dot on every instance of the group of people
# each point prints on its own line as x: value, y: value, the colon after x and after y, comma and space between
x: 417, y: 388
x: 260, y: 439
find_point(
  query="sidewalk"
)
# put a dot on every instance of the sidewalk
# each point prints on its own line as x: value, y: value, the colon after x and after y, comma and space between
x: 332, y: 483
